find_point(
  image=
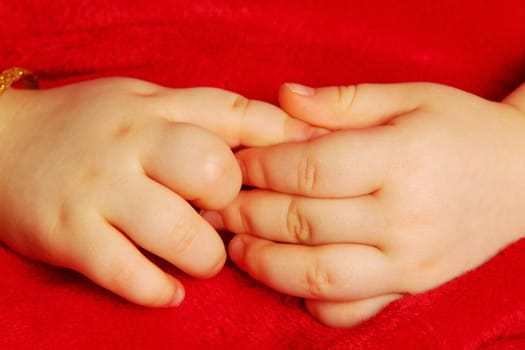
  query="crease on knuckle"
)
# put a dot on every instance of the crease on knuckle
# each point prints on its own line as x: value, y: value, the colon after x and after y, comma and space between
x: 346, y: 97
x: 182, y: 236
x: 246, y: 224
x: 297, y: 225
x: 122, y: 274
x: 318, y: 280
x: 307, y: 174
x: 240, y: 105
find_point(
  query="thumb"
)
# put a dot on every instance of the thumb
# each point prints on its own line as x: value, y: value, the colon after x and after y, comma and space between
x: 353, y: 106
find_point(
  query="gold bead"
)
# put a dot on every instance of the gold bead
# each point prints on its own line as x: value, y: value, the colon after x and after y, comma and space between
x: 15, y: 74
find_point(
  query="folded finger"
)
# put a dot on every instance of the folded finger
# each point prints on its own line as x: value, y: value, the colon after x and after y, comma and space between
x: 335, y: 272
x: 161, y: 222
x: 192, y: 162
x: 294, y: 219
x: 346, y: 314
x: 337, y: 165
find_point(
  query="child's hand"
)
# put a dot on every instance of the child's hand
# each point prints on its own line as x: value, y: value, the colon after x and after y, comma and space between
x: 417, y: 184
x: 92, y: 170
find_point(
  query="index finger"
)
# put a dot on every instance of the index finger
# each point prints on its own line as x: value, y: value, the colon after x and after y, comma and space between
x: 236, y: 119
x: 338, y: 165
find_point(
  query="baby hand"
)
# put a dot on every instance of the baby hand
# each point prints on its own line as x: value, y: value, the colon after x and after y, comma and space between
x: 417, y: 184
x: 93, y: 170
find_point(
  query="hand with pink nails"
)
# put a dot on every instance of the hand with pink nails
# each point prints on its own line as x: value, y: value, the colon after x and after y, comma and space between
x: 415, y: 184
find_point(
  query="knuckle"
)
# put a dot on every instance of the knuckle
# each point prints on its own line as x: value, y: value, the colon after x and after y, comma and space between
x: 297, y: 225
x: 130, y: 86
x: 318, y: 280
x: 240, y: 104
x: 346, y: 96
x: 214, y: 264
x: 307, y: 174
x: 245, y: 219
x: 122, y: 130
x: 138, y: 87
x: 214, y: 168
x: 182, y: 236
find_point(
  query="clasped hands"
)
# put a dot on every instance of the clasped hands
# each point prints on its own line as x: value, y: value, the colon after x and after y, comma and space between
x: 368, y: 193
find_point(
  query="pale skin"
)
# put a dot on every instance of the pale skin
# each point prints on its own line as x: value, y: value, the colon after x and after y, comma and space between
x: 417, y: 184
x: 94, y: 170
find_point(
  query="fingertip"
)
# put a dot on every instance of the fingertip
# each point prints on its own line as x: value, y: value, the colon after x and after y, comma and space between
x: 220, y: 179
x: 166, y: 291
x: 214, y: 258
x: 193, y: 162
x: 299, y: 89
x: 302, y: 102
x: 158, y: 289
x: 213, y: 269
x: 242, y: 166
x: 214, y: 218
x: 292, y: 94
x: 171, y: 294
x: 245, y: 251
x: 236, y: 249
x: 179, y: 293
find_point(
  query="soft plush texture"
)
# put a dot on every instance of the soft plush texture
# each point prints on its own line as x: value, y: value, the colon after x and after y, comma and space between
x: 251, y: 47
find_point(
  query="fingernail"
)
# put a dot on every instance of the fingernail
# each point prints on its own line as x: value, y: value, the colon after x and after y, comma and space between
x: 318, y: 132
x: 236, y: 249
x: 300, y: 89
x: 178, y: 297
x: 214, y: 218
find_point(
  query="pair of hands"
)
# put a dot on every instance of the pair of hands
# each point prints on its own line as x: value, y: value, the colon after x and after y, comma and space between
x: 414, y: 185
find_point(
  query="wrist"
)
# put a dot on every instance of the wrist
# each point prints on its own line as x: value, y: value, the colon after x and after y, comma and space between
x: 12, y: 104
x: 12, y: 77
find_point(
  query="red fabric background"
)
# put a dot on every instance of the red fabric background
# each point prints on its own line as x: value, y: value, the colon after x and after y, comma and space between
x: 251, y: 47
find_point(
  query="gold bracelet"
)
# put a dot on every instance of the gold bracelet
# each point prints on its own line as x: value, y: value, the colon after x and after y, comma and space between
x: 13, y: 75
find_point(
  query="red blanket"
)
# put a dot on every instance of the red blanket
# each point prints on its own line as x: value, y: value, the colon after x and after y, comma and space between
x: 251, y: 47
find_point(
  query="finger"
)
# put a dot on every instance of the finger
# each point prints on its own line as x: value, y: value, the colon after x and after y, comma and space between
x: 292, y: 219
x: 354, y: 106
x: 341, y: 164
x: 335, y: 272
x: 348, y: 314
x: 194, y: 163
x: 105, y: 256
x: 163, y: 223
x: 236, y: 119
